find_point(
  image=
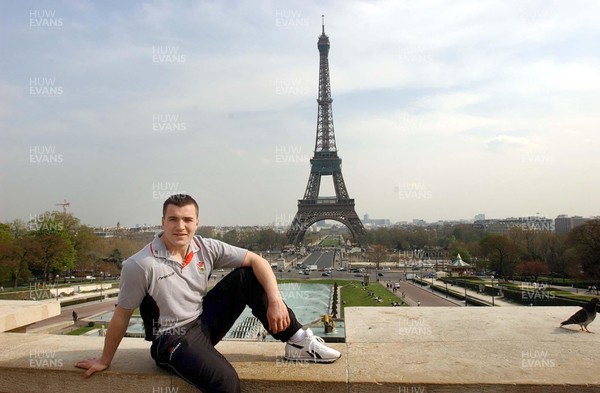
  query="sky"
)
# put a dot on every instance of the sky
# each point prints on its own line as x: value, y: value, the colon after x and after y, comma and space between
x: 442, y: 110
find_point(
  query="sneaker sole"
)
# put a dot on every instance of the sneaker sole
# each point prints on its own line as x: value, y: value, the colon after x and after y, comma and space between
x: 311, y: 360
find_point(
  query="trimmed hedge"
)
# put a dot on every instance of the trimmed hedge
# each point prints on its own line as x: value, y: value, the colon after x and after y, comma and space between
x: 20, y: 295
x: 569, y: 282
x: 80, y: 300
x: 474, y: 286
x: 540, y: 298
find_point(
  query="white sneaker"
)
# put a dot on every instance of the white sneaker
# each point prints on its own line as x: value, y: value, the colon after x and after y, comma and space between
x: 311, y: 348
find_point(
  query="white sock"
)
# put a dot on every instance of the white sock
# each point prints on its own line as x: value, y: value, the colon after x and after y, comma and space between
x: 298, y: 336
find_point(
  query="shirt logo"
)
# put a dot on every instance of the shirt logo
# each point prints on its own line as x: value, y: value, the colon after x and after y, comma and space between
x: 200, y: 266
x: 168, y: 275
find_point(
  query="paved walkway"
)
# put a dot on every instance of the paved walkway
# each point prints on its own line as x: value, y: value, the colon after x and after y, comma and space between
x: 415, y: 295
x: 84, y: 310
x: 497, y: 300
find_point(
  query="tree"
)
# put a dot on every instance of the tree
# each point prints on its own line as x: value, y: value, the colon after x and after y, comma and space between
x: 231, y: 237
x: 57, y: 253
x: 501, y: 253
x: 268, y: 238
x: 19, y: 228
x: 378, y: 254
x: 86, y: 245
x: 7, y: 241
x: 205, y: 231
x: 464, y: 253
x: 16, y: 253
x: 533, y: 268
x: 583, y: 244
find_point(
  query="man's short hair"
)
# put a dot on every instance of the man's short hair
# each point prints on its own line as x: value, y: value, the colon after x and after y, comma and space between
x: 180, y: 200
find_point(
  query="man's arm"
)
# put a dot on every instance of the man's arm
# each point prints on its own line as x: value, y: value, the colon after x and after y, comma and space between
x: 117, y: 328
x: 277, y: 313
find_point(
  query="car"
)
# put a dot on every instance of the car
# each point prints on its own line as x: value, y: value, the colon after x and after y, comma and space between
x: 358, y: 275
x: 326, y: 274
x: 306, y: 273
x: 380, y: 274
x: 90, y: 277
x: 300, y: 271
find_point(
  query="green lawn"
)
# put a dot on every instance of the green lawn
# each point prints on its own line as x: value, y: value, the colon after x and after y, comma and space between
x: 356, y: 295
x: 330, y: 242
x: 82, y: 330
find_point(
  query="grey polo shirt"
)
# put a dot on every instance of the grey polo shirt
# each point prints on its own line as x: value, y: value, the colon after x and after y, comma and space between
x: 177, y: 289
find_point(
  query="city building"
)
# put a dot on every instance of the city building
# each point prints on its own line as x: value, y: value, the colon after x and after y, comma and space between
x: 564, y: 223
x: 376, y: 222
x: 500, y: 226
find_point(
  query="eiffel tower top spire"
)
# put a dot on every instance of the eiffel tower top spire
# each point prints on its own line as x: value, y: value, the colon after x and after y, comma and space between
x: 325, y: 142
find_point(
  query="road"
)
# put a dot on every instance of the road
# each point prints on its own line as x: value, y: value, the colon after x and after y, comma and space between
x: 415, y: 295
x: 323, y: 260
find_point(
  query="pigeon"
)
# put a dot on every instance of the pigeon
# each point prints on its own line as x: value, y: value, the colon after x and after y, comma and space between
x: 583, y: 317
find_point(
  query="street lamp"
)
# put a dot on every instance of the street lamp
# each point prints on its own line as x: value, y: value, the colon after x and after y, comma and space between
x: 493, y: 291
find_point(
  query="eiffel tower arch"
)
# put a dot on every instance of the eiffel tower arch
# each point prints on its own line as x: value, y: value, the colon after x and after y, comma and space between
x: 325, y: 162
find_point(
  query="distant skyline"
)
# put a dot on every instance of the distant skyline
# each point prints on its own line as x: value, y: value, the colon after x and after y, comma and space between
x: 442, y: 110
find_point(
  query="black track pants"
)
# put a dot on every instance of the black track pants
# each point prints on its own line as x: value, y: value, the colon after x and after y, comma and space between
x: 190, y: 351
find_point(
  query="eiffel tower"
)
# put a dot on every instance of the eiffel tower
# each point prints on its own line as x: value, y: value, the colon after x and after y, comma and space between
x: 325, y: 162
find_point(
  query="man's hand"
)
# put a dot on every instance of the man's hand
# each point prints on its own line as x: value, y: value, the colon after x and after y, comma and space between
x: 278, y: 316
x: 114, y: 335
x: 92, y: 365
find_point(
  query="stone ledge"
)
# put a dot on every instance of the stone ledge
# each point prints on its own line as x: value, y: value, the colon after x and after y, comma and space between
x: 395, y: 350
x: 52, y: 358
x: 17, y: 314
x: 472, y: 349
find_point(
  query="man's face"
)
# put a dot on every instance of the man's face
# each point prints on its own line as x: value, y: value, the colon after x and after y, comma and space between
x: 179, y: 224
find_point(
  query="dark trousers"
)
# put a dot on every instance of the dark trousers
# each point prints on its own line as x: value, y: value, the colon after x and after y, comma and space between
x: 190, y: 351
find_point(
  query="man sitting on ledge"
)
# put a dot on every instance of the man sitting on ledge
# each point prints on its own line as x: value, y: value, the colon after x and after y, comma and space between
x: 168, y: 280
